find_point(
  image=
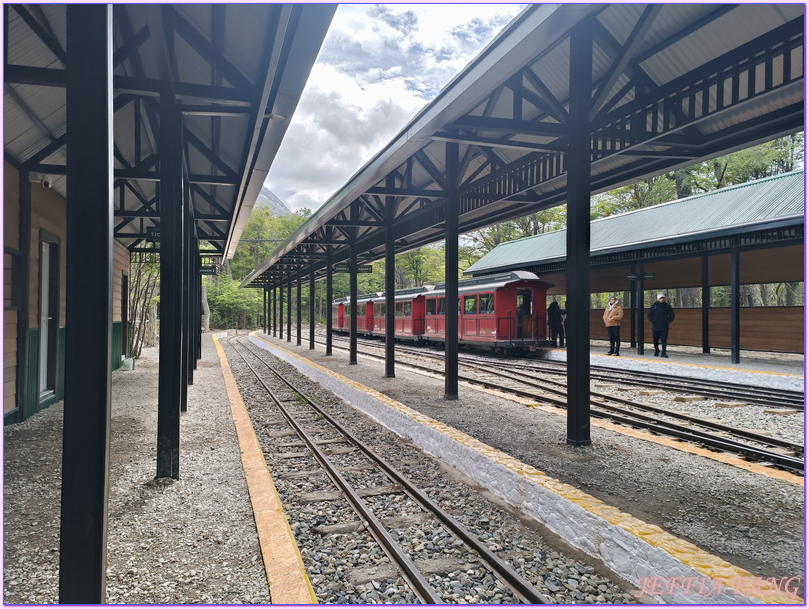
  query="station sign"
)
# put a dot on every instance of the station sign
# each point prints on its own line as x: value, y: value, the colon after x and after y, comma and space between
x: 153, y: 233
x: 207, y: 270
x: 345, y: 268
x: 636, y: 276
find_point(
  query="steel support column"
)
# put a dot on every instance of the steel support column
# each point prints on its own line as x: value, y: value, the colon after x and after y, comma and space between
x: 23, y: 313
x: 735, y: 306
x: 88, y: 321
x: 289, y: 309
x: 641, y: 307
x: 170, y: 379
x: 390, y: 284
x: 577, y: 273
x: 264, y: 311
x: 184, y: 351
x: 329, y: 298
x: 298, y: 308
x: 451, y: 275
x: 706, y: 305
x: 633, y: 308
x: 281, y: 311
x: 311, y: 307
x: 273, y: 290
x: 352, y: 290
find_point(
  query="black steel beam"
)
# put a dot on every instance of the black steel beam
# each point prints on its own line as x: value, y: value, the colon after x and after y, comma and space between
x: 171, y: 252
x: 329, y: 298
x: 274, y: 318
x: 641, y: 307
x: 735, y: 306
x: 298, y: 308
x: 706, y: 305
x: 352, y: 290
x: 88, y: 322
x: 311, y: 307
x: 289, y: 308
x: 451, y: 275
x: 281, y: 311
x: 23, y: 313
x: 390, y: 285
x: 507, y: 125
x: 577, y: 272
x: 264, y: 311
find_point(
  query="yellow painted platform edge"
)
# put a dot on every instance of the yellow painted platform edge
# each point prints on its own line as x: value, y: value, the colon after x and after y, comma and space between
x: 684, y: 551
x: 635, y: 433
x: 286, y: 575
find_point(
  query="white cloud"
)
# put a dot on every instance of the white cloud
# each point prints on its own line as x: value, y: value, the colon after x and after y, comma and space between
x: 379, y: 65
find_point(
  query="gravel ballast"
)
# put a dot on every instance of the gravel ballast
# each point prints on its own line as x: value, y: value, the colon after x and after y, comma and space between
x: 750, y: 520
x: 191, y: 540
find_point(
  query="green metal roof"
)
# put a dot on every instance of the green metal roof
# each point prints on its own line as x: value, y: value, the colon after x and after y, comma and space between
x: 751, y: 206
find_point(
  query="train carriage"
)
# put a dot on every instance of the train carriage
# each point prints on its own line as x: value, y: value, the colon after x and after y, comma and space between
x: 408, y: 315
x: 341, y: 315
x: 503, y: 312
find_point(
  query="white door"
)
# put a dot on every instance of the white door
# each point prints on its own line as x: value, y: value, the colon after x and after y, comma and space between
x: 44, y: 315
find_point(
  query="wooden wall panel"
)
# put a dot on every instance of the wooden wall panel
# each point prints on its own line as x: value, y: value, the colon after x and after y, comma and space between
x: 778, y: 329
x: 120, y: 263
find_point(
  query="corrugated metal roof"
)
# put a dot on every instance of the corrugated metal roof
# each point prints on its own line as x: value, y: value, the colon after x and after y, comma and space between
x: 254, y: 59
x: 736, y: 208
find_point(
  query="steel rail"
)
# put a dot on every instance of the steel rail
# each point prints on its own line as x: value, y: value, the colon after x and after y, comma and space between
x: 521, y: 587
x: 643, y: 421
x: 418, y: 583
x: 758, y: 395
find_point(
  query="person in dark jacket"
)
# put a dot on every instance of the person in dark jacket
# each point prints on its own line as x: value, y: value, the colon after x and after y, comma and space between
x: 661, y: 315
x: 555, y: 324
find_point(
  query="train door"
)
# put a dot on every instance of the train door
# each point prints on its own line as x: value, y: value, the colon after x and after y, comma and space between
x: 418, y: 315
x: 525, y: 313
x: 430, y: 312
x: 369, y: 317
x: 469, y: 325
x: 487, y: 323
x: 340, y: 316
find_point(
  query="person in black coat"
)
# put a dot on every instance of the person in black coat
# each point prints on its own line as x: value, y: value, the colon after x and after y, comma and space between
x: 555, y: 324
x: 661, y: 315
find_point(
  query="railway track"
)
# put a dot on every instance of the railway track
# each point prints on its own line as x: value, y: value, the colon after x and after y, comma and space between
x: 677, y: 384
x: 524, y: 383
x: 357, y: 484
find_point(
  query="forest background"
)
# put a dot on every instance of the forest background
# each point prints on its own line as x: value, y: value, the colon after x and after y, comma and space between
x: 228, y: 306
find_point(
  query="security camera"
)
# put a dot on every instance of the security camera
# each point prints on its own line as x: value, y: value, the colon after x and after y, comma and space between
x: 46, y: 181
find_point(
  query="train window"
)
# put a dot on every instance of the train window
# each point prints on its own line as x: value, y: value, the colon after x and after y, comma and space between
x: 407, y: 309
x: 442, y: 306
x: 431, y: 306
x: 470, y: 305
x: 399, y: 309
x: 381, y: 310
x: 486, y: 304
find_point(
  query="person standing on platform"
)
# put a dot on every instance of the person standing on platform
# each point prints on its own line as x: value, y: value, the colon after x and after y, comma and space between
x: 613, y: 315
x: 555, y: 324
x: 661, y: 315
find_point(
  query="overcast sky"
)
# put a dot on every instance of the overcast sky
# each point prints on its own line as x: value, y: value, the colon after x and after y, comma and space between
x: 379, y: 65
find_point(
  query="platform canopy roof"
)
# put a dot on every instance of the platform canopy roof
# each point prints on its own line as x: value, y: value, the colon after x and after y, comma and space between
x: 236, y: 70
x: 775, y: 202
x: 673, y: 84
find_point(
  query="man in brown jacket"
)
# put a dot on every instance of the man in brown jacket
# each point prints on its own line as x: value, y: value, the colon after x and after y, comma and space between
x: 613, y: 315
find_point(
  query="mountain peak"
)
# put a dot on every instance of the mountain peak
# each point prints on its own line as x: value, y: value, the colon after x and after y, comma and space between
x: 267, y: 198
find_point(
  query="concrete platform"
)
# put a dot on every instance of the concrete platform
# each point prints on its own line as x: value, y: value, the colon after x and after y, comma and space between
x: 759, y: 369
x: 630, y: 541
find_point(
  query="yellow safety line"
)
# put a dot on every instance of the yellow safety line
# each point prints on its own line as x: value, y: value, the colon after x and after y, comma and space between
x: 703, y: 366
x: 727, y: 459
x: 286, y: 575
x: 689, y: 554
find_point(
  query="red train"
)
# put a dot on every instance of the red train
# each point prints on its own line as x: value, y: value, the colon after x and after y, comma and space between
x: 503, y: 312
